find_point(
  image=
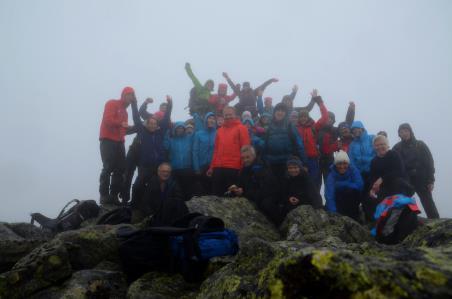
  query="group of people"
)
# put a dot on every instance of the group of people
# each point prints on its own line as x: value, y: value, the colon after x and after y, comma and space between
x: 274, y: 155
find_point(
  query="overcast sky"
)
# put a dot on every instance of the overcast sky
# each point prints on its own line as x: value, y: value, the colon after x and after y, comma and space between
x: 61, y: 60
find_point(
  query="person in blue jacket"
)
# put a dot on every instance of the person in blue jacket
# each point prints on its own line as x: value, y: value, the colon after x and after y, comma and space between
x: 361, y: 150
x: 343, y: 187
x: 256, y: 142
x: 152, y: 153
x: 202, y: 152
x: 179, y: 147
x: 281, y: 141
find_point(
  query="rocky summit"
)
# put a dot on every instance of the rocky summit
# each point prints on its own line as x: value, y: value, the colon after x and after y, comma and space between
x: 313, y: 254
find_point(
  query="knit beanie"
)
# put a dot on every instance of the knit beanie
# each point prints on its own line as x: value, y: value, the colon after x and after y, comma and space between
x: 341, y: 157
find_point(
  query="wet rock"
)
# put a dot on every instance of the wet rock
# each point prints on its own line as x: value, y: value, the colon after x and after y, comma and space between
x: 156, y: 285
x: 238, y: 214
x: 88, y: 284
x: 46, y: 265
x: 310, y: 225
x: 431, y: 233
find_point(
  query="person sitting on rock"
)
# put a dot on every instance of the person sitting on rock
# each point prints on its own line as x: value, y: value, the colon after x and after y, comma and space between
x: 162, y: 198
x: 152, y: 151
x: 343, y: 187
x: 257, y: 183
x: 226, y: 162
x: 298, y: 187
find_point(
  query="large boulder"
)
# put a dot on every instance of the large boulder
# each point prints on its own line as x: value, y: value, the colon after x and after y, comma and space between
x: 311, y: 225
x: 88, y: 284
x: 156, y: 285
x: 289, y: 269
x: 432, y: 233
x: 238, y: 214
x: 17, y: 240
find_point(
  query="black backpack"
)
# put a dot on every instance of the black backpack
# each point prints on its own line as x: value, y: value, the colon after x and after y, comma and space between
x: 397, y: 225
x: 70, y: 219
x: 151, y: 249
x: 117, y: 216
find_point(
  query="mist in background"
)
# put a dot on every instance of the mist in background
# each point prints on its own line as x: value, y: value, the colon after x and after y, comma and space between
x: 60, y: 61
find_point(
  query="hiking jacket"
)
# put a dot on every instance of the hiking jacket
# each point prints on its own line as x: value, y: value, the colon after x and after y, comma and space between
x: 328, y: 135
x: 361, y: 150
x: 152, y: 151
x: 262, y: 109
x: 115, y: 113
x: 351, y: 179
x: 179, y: 148
x: 303, y: 188
x: 308, y: 132
x: 417, y: 158
x: 281, y: 141
x: 228, y: 141
x: 389, y: 167
x: 166, y: 206
x: 202, y: 92
x: 203, y: 145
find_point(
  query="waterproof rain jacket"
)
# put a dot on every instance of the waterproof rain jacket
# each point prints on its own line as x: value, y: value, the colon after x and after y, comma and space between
x: 179, y: 148
x: 203, y: 145
x: 361, y: 150
x: 351, y: 179
x: 115, y: 114
x: 229, y: 140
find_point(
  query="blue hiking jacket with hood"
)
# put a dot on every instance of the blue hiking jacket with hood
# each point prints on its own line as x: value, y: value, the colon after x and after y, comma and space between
x: 179, y: 148
x: 203, y: 144
x: 351, y: 179
x: 361, y: 150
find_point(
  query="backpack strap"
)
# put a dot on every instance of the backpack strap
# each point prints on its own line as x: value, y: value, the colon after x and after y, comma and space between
x: 63, y: 211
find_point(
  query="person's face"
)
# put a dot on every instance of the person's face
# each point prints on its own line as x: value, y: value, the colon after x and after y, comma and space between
x: 381, y: 148
x: 287, y: 102
x: 209, y: 85
x: 357, y: 132
x: 265, y: 120
x: 211, y: 122
x: 342, y: 167
x: 303, y: 118
x: 331, y: 121
x: 344, y: 131
x: 220, y: 121
x: 247, y: 158
x: 152, y: 125
x: 180, y: 131
x: 221, y: 92
x: 164, y: 172
x: 228, y: 114
x: 248, y: 125
x: 189, y: 130
x: 268, y: 103
x: 163, y: 108
x: 280, y: 115
x: 293, y: 119
x: 129, y: 98
x: 405, y: 134
x: 293, y: 170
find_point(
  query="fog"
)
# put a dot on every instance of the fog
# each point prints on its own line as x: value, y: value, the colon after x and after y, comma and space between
x: 62, y: 60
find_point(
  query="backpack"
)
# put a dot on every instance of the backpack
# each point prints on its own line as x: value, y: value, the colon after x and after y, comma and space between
x: 70, y: 219
x: 185, y: 247
x: 116, y: 216
x: 396, y: 225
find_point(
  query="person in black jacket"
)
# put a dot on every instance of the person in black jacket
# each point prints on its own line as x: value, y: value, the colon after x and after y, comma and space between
x: 385, y: 166
x: 298, y: 187
x: 162, y: 198
x: 258, y: 184
x: 419, y: 166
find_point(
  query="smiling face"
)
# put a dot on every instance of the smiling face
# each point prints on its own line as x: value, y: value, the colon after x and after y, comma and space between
x: 381, y: 147
x: 280, y: 115
x: 152, y: 125
x: 164, y: 172
x: 293, y: 170
x: 342, y: 167
x: 405, y: 134
x: 357, y: 132
x: 228, y: 113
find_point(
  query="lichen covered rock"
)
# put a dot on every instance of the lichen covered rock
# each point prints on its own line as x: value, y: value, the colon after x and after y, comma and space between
x: 238, y: 214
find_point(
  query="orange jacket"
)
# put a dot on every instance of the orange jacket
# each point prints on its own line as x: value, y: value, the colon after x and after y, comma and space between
x: 229, y: 140
x: 308, y: 132
x: 115, y: 113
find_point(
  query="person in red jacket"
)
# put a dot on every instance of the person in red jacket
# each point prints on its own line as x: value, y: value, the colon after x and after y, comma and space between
x: 221, y: 99
x: 226, y: 162
x: 308, y: 129
x: 113, y: 129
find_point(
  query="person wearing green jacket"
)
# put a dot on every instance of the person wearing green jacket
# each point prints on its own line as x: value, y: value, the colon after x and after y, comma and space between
x: 199, y: 94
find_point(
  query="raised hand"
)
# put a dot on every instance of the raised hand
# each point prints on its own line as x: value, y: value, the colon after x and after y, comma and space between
x: 274, y: 80
x: 149, y: 101
x: 225, y: 75
x: 260, y: 92
x: 314, y: 93
x: 187, y: 65
x: 295, y: 88
x: 169, y: 99
x: 125, y: 125
x: 293, y: 200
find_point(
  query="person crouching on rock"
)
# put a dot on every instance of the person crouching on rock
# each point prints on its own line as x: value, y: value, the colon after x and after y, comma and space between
x: 298, y: 187
x: 162, y: 198
x: 343, y: 187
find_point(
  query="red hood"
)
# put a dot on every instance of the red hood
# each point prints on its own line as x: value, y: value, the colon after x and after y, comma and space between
x: 125, y: 91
